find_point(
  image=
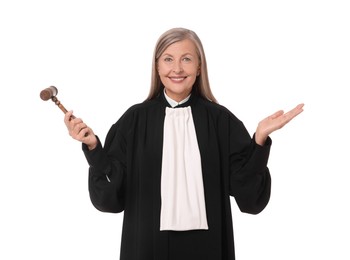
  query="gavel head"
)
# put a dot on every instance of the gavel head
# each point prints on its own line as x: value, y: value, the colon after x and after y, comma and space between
x: 48, y: 93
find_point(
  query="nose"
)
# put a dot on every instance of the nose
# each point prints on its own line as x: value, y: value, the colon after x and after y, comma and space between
x: 177, y: 67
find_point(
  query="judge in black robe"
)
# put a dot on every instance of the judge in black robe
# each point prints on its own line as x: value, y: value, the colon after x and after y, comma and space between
x: 125, y: 174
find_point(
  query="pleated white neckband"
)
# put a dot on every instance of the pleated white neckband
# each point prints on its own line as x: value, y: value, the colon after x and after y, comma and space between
x: 182, y: 191
x: 174, y: 103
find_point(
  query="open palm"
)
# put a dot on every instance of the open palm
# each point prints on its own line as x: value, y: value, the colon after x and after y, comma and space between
x: 274, y: 122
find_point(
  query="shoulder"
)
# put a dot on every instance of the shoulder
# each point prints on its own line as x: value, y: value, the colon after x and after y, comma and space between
x: 140, y: 107
x: 137, y: 110
x: 131, y: 116
x: 222, y: 118
x: 216, y: 109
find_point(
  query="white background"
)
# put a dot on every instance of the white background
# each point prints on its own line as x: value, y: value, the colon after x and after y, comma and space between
x: 262, y: 56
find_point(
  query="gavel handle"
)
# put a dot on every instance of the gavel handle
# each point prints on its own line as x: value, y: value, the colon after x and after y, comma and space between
x: 64, y: 110
x: 58, y: 103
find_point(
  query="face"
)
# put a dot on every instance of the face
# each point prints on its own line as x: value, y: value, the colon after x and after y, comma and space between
x: 178, y: 67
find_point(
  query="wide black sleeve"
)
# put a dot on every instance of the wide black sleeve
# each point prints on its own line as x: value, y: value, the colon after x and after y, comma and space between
x: 250, y: 180
x: 107, y: 172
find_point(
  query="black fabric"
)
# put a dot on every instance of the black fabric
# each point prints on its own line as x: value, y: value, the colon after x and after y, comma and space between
x: 232, y: 164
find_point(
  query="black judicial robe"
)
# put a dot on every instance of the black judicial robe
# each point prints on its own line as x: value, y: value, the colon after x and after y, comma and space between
x: 232, y: 165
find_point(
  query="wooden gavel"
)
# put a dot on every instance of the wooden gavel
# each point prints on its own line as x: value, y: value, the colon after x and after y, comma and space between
x: 51, y: 93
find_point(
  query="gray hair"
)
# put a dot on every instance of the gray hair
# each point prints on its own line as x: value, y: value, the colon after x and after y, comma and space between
x: 201, y: 85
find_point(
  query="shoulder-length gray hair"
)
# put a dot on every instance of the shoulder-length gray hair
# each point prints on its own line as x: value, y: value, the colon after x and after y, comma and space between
x: 201, y: 85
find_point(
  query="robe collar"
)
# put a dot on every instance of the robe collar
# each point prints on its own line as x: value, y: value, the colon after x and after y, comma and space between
x: 191, y: 100
x: 174, y: 103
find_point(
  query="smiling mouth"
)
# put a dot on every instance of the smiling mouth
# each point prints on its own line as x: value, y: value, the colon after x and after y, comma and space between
x: 177, y: 79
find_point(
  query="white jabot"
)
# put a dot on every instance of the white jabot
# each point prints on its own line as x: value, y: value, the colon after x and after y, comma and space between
x: 182, y: 191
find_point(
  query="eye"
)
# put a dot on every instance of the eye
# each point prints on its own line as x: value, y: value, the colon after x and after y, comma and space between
x: 168, y: 59
x: 186, y: 59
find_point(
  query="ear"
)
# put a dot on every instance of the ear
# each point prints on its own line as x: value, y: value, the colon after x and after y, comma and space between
x: 199, y: 71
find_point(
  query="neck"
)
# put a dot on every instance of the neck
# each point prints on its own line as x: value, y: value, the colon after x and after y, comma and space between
x: 175, y: 102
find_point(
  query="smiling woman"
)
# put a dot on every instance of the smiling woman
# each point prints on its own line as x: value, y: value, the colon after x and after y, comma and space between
x: 172, y: 162
x: 178, y: 68
x: 172, y: 40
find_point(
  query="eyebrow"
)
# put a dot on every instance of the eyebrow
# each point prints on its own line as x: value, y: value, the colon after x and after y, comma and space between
x: 187, y: 53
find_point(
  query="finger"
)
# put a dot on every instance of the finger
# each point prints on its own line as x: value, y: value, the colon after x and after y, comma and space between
x: 295, y: 111
x: 83, y: 133
x: 287, y: 117
x: 78, y: 127
x: 298, y: 109
x: 67, y: 116
x: 74, y: 126
x: 300, y: 106
x: 76, y: 121
x: 78, y: 132
x: 277, y: 114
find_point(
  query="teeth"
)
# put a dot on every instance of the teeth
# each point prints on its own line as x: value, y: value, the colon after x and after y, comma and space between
x: 177, y: 79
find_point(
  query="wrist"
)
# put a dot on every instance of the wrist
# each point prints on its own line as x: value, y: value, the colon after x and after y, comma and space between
x: 260, y: 139
x: 92, y: 145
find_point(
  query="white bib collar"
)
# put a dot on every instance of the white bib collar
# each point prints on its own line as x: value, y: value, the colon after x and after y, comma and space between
x: 182, y: 189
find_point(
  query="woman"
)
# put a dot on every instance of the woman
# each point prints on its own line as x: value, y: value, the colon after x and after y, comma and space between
x: 172, y: 162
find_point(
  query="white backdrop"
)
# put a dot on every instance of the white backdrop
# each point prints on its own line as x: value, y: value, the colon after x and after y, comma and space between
x: 262, y: 56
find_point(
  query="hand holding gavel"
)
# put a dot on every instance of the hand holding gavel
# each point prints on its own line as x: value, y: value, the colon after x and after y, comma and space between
x: 50, y: 93
x: 77, y: 129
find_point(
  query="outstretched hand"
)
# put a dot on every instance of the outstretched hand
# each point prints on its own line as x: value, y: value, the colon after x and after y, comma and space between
x: 78, y: 130
x: 274, y: 122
